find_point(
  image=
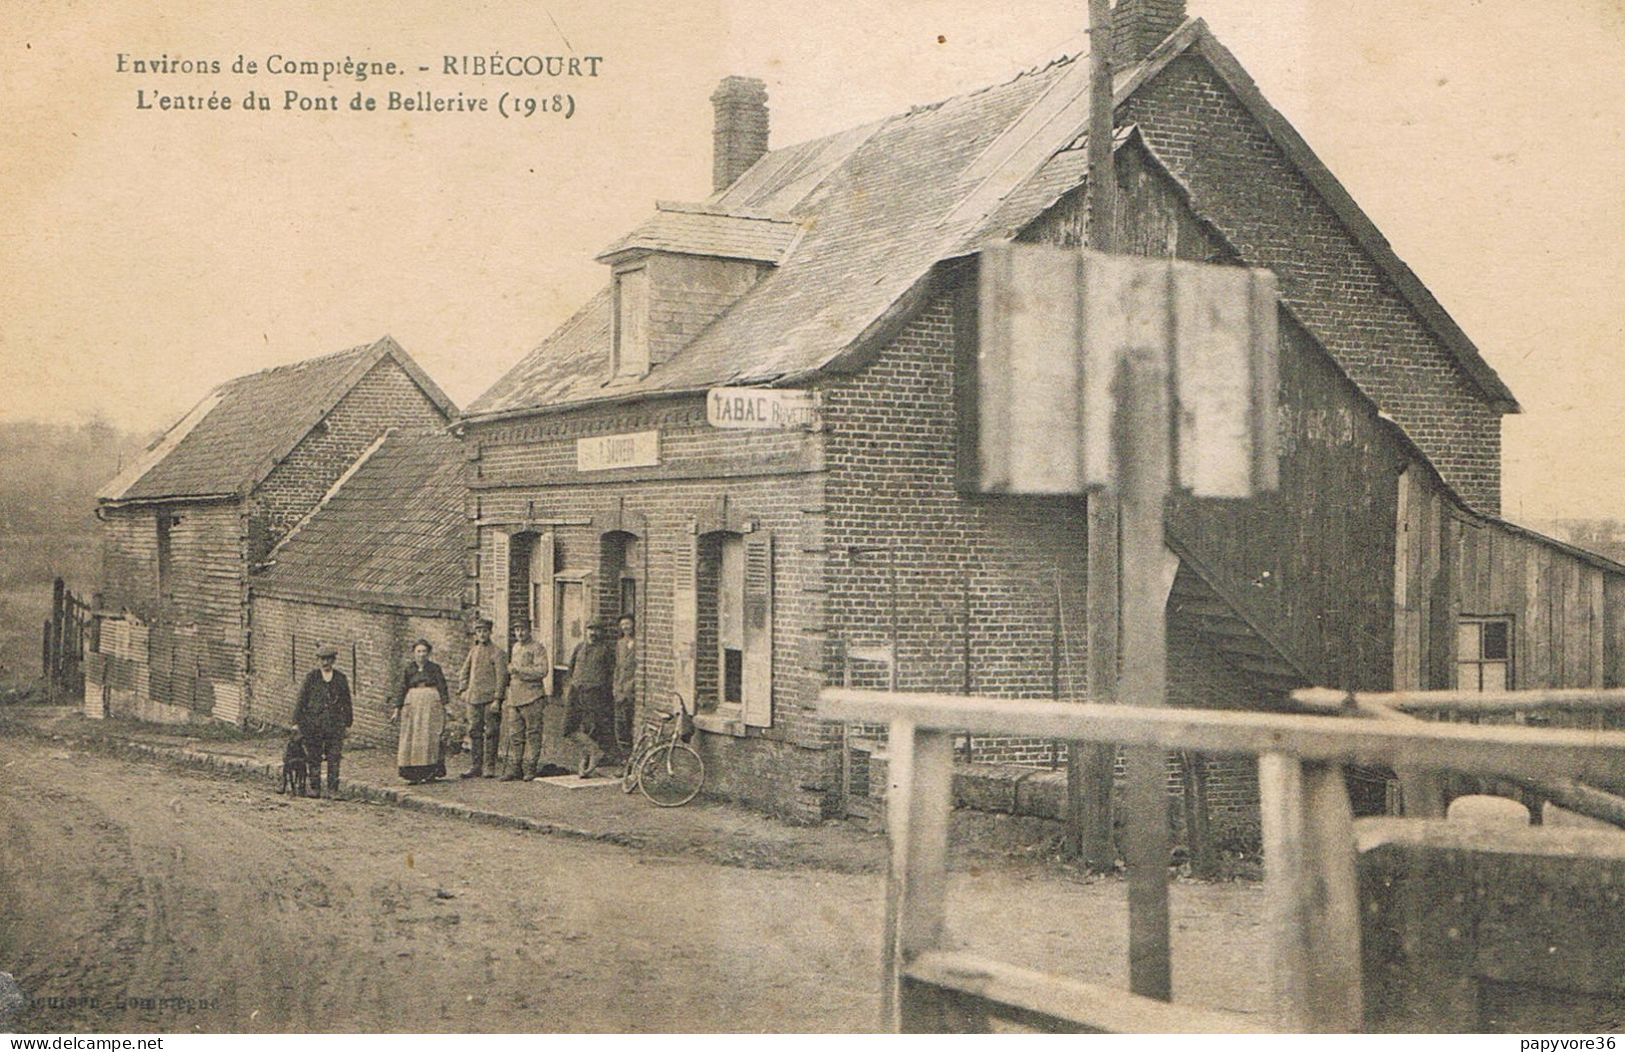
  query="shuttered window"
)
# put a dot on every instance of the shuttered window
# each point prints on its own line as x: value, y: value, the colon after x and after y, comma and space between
x: 543, y: 565
x: 494, y: 604
x: 724, y: 619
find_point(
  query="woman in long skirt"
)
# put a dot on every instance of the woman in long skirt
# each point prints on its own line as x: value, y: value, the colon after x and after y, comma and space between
x: 421, y: 709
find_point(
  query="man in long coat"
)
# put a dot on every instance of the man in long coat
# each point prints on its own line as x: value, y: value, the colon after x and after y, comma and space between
x: 323, y: 715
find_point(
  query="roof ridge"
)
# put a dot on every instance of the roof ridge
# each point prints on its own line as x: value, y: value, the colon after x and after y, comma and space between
x: 320, y: 359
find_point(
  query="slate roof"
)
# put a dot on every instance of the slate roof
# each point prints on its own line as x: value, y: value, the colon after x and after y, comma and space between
x: 230, y: 441
x: 702, y: 230
x: 881, y: 206
x: 390, y: 533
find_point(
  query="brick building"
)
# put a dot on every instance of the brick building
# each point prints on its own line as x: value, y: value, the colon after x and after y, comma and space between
x: 374, y: 567
x: 619, y: 468
x: 184, y: 527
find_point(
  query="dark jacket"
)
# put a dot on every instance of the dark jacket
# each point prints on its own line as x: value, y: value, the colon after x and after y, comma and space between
x: 429, y: 675
x: 592, y: 666
x: 324, y: 707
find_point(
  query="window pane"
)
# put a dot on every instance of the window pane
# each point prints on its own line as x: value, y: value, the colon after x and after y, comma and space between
x: 731, y: 594
x: 1467, y: 637
x: 1467, y: 676
x: 1495, y: 640
x: 1494, y: 675
x: 733, y: 676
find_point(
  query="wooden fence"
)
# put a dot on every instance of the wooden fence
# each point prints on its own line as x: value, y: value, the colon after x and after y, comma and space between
x: 64, y: 639
x: 1310, y: 892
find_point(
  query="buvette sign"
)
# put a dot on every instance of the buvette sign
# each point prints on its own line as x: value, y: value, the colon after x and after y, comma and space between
x: 760, y: 408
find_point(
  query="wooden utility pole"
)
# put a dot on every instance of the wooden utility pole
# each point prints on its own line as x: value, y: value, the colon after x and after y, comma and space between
x: 1090, y: 766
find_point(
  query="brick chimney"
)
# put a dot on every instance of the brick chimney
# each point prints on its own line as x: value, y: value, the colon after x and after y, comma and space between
x: 740, y: 137
x: 1138, y: 26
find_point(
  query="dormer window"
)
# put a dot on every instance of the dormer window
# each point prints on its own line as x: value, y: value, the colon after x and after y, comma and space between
x: 630, y: 357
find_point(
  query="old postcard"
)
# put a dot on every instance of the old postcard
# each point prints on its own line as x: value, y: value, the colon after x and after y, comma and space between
x: 630, y: 517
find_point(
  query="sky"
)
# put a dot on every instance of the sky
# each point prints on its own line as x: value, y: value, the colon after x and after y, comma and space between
x: 148, y: 254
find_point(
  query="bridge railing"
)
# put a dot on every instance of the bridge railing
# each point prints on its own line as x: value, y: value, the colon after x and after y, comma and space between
x: 1311, y: 897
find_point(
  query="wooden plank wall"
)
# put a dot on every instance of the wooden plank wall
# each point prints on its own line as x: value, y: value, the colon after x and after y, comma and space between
x: 1568, y: 615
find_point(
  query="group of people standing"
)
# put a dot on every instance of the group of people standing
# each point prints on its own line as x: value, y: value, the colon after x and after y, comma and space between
x: 504, y: 692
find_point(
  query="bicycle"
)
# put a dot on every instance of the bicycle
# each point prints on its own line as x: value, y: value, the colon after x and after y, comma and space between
x: 665, y: 767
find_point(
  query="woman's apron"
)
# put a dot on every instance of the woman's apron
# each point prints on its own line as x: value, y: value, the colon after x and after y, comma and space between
x: 422, y: 720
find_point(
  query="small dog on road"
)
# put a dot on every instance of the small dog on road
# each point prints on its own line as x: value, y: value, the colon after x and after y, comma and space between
x: 294, y: 772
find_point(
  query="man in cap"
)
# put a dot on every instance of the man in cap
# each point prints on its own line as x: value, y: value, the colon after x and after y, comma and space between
x: 484, y: 681
x: 589, y: 710
x: 323, y: 715
x: 527, y: 694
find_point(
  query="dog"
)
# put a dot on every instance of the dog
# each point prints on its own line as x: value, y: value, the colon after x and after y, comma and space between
x: 295, y: 774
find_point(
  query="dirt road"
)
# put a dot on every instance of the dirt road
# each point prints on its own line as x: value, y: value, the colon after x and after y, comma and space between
x: 135, y: 897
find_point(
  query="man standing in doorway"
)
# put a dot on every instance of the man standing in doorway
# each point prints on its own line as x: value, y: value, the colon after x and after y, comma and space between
x: 323, y: 716
x: 483, y: 685
x: 527, y: 698
x: 589, y: 702
x: 626, y: 678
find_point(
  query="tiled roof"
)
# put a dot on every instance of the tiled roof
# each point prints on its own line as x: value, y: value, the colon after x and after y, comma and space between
x: 388, y: 534
x: 881, y: 205
x: 700, y: 230
x: 233, y: 438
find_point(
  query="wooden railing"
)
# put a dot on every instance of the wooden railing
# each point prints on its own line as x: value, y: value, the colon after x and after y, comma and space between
x: 1311, y: 899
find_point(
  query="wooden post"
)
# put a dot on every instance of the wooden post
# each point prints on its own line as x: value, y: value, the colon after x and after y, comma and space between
x: 1193, y: 778
x: 1090, y: 768
x: 45, y: 657
x: 1141, y: 445
x: 1311, y: 898
x: 920, y: 780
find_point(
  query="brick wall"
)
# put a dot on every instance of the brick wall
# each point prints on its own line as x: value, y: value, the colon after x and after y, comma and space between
x: 1244, y: 184
x: 374, y: 646
x: 707, y: 479
x: 987, y: 594
x: 385, y: 397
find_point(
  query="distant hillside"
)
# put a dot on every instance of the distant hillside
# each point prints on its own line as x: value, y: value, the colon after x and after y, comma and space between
x: 49, y: 473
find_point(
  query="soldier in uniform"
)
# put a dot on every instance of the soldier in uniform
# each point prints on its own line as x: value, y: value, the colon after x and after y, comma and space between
x: 484, y: 683
x: 527, y: 694
x: 323, y: 716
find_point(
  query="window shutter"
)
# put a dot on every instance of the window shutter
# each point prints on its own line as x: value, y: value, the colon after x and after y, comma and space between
x: 758, y: 630
x: 543, y: 561
x: 496, y: 601
x: 685, y: 620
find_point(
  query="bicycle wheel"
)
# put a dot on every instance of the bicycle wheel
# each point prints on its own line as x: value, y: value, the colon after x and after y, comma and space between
x: 634, y: 764
x: 672, y: 775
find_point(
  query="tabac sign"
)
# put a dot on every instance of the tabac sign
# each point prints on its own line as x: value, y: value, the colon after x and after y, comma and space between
x: 761, y: 408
